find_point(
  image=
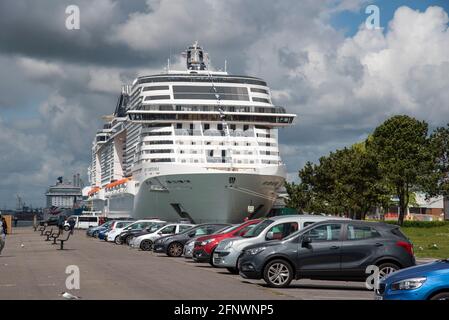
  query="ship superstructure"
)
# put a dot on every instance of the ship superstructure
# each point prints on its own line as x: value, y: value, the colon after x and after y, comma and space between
x: 194, y: 144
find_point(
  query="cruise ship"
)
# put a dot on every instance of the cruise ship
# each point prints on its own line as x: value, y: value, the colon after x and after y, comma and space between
x: 193, y: 144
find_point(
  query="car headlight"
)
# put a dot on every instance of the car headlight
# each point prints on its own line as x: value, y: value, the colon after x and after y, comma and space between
x: 203, y: 243
x: 253, y: 252
x: 408, y: 284
x: 228, y: 245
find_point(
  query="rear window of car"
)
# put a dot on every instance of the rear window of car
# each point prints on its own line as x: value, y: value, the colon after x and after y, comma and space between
x: 397, y: 232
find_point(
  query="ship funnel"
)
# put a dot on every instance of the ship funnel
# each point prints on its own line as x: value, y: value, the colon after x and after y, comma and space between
x: 196, y: 57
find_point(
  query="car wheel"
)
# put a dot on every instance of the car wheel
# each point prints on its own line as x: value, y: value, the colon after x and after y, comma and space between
x: 175, y: 249
x: 441, y: 296
x: 95, y: 234
x: 386, y: 268
x: 128, y: 240
x: 146, y: 245
x: 66, y: 228
x: 278, y: 274
x: 117, y: 240
x: 232, y: 270
x: 211, y: 259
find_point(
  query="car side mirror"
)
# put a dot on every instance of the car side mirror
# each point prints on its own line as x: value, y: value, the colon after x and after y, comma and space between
x: 191, y: 234
x: 306, y: 241
x: 270, y: 235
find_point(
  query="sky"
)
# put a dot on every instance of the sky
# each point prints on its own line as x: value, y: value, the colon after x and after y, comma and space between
x: 320, y: 59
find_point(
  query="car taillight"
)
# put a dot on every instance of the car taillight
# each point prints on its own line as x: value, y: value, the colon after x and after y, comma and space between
x: 406, y: 245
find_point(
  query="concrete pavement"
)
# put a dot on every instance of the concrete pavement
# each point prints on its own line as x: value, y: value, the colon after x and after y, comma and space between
x: 36, y: 270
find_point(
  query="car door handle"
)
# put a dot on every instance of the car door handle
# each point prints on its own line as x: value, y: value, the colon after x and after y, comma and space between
x: 379, y: 244
x: 335, y: 247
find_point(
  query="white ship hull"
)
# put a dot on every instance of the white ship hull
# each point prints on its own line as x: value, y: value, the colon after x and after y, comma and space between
x: 207, y: 197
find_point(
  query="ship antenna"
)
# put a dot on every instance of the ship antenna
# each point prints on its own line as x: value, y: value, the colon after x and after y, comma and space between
x: 168, y: 65
x: 226, y: 66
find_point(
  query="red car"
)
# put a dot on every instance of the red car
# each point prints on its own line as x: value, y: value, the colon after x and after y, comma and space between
x: 205, y: 246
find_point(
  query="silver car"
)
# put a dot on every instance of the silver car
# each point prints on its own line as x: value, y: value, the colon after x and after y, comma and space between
x: 188, y: 248
x: 276, y: 228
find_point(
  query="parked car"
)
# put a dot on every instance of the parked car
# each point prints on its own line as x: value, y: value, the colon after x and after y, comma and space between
x: 229, y: 250
x: 145, y: 242
x: 115, y: 229
x: 329, y: 250
x: 188, y: 248
x: 93, y: 232
x: 173, y: 245
x: 82, y: 222
x: 204, y: 247
x: 114, y: 235
x: 425, y: 282
x: 51, y: 221
x: 140, y: 229
x: 190, y: 244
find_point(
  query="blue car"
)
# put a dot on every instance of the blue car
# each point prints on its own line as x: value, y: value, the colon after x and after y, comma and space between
x: 94, y: 231
x: 103, y: 234
x: 424, y: 282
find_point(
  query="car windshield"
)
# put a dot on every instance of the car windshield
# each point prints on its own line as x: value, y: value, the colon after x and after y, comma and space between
x: 227, y: 229
x: 155, y: 227
x: 122, y: 224
x: 254, y: 232
x: 107, y: 223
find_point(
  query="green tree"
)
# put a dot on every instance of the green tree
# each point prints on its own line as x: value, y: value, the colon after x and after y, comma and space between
x: 402, y: 150
x: 347, y: 181
x: 438, y: 182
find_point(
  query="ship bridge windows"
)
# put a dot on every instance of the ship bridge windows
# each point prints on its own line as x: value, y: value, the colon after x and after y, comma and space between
x: 264, y: 109
x: 154, y: 88
x: 208, y: 93
x: 158, y: 97
x: 264, y: 100
x: 258, y: 90
x: 201, y: 79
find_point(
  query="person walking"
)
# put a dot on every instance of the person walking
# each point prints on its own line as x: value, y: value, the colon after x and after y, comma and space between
x: 72, y: 223
x: 5, y: 226
x: 2, y: 234
x: 61, y: 222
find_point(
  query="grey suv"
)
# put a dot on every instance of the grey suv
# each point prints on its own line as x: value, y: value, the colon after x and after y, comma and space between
x: 328, y: 250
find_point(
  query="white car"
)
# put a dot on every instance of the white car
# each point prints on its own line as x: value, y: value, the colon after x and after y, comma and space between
x: 114, y: 235
x: 118, y: 224
x: 145, y: 242
x: 82, y: 222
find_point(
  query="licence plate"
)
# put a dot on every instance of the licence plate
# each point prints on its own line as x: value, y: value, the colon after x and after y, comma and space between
x: 376, y: 297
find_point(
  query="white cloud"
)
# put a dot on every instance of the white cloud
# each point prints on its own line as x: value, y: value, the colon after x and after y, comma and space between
x: 39, y: 69
x: 106, y: 80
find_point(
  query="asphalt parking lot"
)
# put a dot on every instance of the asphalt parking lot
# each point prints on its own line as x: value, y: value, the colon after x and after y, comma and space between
x: 31, y: 268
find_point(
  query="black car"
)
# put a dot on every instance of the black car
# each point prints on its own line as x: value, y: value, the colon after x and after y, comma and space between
x: 173, y: 245
x: 138, y: 230
x: 328, y: 250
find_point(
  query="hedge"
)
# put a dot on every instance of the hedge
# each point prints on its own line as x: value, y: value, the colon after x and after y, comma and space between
x: 421, y: 224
